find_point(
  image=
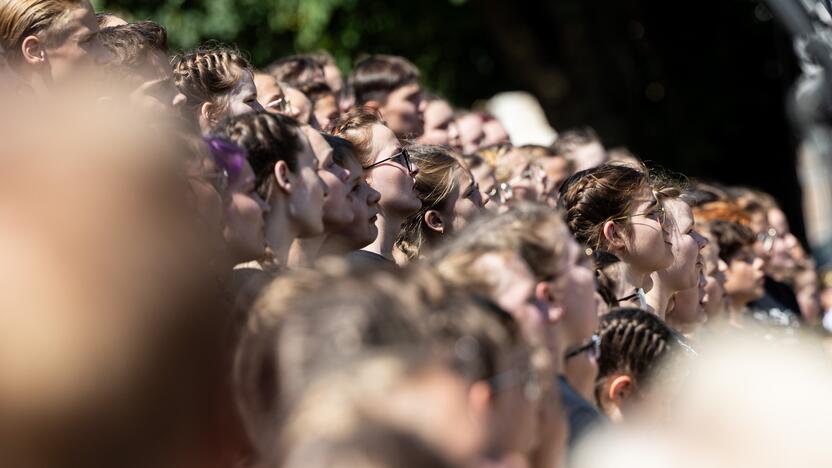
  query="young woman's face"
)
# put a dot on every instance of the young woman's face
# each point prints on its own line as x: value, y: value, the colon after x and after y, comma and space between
x: 648, y: 245
x: 779, y: 242
x: 471, y: 134
x: 363, y: 200
x: 307, y: 198
x: 243, y: 98
x: 337, y: 206
x: 465, y: 201
x: 80, y: 47
x: 439, y: 118
x: 391, y: 179
x: 325, y: 110
x: 403, y: 110
x: 745, y: 278
x: 244, y: 225
x: 683, y: 273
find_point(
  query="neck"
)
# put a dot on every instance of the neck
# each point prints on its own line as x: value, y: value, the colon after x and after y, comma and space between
x: 303, y: 253
x: 736, y: 307
x: 632, y: 278
x: 658, y: 298
x: 388, y: 229
x: 279, y: 232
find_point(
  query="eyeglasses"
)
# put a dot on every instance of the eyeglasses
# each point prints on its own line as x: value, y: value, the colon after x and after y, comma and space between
x: 281, y: 105
x: 592, y: 347
x: 659, y: 213
x: 767, y: 238
x: 402, y: 158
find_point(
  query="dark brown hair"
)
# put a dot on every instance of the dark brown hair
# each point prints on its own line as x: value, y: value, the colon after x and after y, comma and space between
x: 375, y: 77
x: 594, y: 196
x: 301, y: 72
x: 130, y: 44
x: 731, y: 238
x: 267, y: 138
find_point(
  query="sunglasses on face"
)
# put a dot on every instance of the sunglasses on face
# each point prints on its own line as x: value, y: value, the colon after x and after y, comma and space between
x: 592, y: 347
x: 402, y: 158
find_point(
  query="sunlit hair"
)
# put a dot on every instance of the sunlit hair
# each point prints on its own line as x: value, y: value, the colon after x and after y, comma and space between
x: 208, y: 74
x: 723, y: 211
x: 356, y: 127
x: 569, y: 140
x: 131, y: 44
x: 534, y: 232
x: 594, y: 196
x: 20, y: 19
x: 435, y: 181
x: 301, y: 72
x: 493, y: 154
x: 375, y: 77
x: 267, y: 138
x: 633, y: 342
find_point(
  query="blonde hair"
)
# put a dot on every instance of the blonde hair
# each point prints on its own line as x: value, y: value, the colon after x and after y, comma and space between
x: 20, y: 19
x: 208, y: 74
x: 435, y: 182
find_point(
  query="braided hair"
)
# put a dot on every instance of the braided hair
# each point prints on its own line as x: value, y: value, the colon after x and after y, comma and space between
x: 594, y: 196
x: 208, y: 74
x: 634, y: 342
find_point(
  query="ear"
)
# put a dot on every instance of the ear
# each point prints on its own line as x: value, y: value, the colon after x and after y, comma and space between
x: 32, y: 50
x: 434, y: 221
x: 620, y: 389
x: 281, y: 176
x: 206, y: 119
x: 479, y: 399
x: 612, y: 234
x: 543, y: 293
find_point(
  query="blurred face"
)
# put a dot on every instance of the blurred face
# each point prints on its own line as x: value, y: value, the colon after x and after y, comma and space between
x: 74, y: 43
x: 516, y: 405
x: 244, y: 225
x: 495, y: 133
x: 334, y: 79
x: 307, y: 198
x: 402, y: 110
x: 588, y: 156
x: 683, y: 273
x: 688, y: 306
x: 574, y: 291
x: 270, y: 95
x: 581, y: 372
x: 363, y: 200
x: 337, y: 209
x: 648, y: 245
x: 744, y: 278
x: 471, y: 134
x: 300, y: 106
x: 464, y: 203
x: 714, y: 281
x: 780, y: 243
x: 526, y: 177
x: 391, y: 179
x: 484, y: 176
x: 556, y: 170
x: 326, y: 110
x: 243, y: 98
x: 439, y: 118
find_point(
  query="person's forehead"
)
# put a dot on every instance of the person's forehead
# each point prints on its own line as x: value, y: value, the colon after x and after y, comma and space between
x: 266, y: 84
x: 407, y: 89
x: 384, y: 138
x: 78, y: 20
x: 297, y: 98
x: 318, y: 142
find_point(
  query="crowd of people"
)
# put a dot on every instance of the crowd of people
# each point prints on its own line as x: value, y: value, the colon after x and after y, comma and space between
x: 212, y: 264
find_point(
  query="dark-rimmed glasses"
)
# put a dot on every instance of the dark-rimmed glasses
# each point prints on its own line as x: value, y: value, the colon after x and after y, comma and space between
x: 592, y: 347
x: 402, y: 158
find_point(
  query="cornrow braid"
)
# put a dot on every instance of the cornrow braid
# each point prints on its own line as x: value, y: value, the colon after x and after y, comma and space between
x: 634, y: 342
x: 208, y: 74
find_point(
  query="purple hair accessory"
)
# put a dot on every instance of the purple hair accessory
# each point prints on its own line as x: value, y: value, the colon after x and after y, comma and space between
x: 228, y: 155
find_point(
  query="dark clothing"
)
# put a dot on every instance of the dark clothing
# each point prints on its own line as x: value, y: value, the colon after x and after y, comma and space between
x: 778, y: 307
x: 582, y: 414
x: 366, y: 259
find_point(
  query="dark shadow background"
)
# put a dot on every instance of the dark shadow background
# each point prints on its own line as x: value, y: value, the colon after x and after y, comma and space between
x: 696, y: 87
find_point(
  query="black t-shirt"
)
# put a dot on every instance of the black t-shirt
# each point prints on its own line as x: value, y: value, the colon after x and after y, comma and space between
x: 778, y: 307
x: 367, y: 259
x: 582, y: 414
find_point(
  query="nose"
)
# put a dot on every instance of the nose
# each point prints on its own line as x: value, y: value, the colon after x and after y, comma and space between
x: 374, y: 197
x: 485, y: 198
x: 700, y: 239
x: 323, y: 186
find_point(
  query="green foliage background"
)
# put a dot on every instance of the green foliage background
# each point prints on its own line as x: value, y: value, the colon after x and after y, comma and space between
x: 445, y: 38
